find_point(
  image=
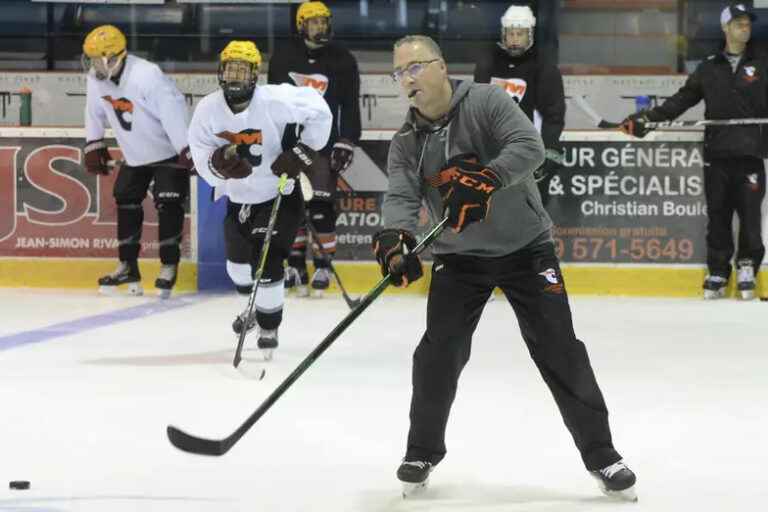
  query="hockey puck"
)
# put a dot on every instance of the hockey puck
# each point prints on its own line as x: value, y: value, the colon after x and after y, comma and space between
x: 19, y: 484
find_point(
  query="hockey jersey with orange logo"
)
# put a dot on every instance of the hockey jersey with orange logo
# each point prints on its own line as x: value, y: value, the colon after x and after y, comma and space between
x: 145, y: 110
x: 332, y: 71
x: 258, y: 132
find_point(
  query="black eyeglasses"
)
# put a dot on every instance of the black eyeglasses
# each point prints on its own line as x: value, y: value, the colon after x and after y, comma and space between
x: 412, y: 70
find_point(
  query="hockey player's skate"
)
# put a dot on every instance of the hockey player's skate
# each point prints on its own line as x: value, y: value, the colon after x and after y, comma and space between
x: 166, y: 280
x: 714, y: 287
x: 321, y: 280
x: 297, y: 279
x: 746, y: 279
x: 414, y: 476
x: 616, y: 481
x: 267, y: 342
x: 240, y: 321
x: 125, y: 274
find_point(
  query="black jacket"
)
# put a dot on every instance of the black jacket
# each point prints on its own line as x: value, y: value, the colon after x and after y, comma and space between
x: 332, y: 70
x: 726, y: 95
x: 537, y: 86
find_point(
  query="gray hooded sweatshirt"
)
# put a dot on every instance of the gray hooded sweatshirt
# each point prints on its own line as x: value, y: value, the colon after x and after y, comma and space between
x: 483, y: 120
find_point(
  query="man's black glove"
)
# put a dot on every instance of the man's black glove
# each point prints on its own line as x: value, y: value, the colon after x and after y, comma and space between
x: 394, y: 252
x: 226, y: 164
x: 466, y: 187
x: 96, y: 157
x: 185, y: 161
x: 635, y: 124
x: 553, y: 161
x: 296, y: 160
x: 342, y: 154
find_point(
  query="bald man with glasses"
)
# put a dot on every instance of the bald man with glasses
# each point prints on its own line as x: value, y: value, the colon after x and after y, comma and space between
x: 467, y: 151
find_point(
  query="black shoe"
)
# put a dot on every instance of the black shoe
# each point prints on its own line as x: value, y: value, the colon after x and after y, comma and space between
x: 414, y: 475
x: 297, y: 279
x: 617, y: 481
x: 267, y: 342
x: 127, y: 272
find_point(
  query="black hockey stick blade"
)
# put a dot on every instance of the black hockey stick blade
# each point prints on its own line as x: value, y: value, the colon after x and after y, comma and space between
x: 607, y: 124
x: 202, y: 446
x: 197, y: 445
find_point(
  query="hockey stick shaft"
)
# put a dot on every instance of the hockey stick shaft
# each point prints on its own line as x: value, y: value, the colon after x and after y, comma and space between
x: 706, y: 122
x: 259, y: 270
x: 217, y: 447
x: 329, y: 260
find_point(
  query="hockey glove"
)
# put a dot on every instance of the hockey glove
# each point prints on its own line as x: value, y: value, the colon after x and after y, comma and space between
x: 96, y: 157
x: 466, y: 189
x: 294, y: 161
x: 225, y: 163
x: 553, y: 161
x: 635, y: 124
x: 342, y: 154
x: 185, y: 160
x: 393, y: 249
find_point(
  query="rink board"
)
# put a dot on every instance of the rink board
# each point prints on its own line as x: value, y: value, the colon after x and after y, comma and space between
x: 57, y: 223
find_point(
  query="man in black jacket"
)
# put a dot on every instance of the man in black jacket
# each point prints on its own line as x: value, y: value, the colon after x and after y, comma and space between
x: 733, y: 85
x: 537, y: 86
x: 316, y: 61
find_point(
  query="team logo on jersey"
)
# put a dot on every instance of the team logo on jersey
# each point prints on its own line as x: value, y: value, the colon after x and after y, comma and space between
x: 123, y: 111
x: 249, y: 144
x: 316, y: 81
x: 750, y: 74
x: 553, y: 285
x: 515, y: 87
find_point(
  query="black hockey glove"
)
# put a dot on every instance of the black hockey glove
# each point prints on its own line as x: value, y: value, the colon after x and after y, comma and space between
x: 342, y: 154
x: 466, y: 187
x: 553, y: 161
x: 96, y: 157
x: 226, y: 164
x: 294, y: 161
x: 635, y: 124
x: 394, y: 252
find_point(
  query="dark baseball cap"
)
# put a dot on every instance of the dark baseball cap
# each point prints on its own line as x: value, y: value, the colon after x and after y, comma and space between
x: 735, y: 10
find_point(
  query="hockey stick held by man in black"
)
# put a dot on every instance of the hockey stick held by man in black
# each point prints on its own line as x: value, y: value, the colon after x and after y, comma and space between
x: 259, y: 271
x: 217, y: 447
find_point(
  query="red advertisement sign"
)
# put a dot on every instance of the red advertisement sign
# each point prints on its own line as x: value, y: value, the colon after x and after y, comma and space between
x: 50, y: 206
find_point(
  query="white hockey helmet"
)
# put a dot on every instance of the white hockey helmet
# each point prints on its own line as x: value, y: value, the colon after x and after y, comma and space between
x: 517, y: 17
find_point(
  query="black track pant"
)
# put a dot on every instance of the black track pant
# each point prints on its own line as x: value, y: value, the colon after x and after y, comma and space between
x: 531, y: 281
x: 734, y: 185
x: 170, y: 188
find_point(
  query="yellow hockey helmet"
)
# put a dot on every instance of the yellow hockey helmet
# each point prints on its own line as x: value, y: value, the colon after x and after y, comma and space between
x: 239, y: 63
x: 309, y: 10
x: 104, y: 49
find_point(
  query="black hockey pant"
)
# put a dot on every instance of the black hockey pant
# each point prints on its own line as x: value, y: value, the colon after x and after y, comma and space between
x: 734, y: 185
x: 531, y: 280
x: 170, y: 188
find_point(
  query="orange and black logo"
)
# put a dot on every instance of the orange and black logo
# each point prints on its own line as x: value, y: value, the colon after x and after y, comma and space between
x: 249, y: 144
x: 123, y: 111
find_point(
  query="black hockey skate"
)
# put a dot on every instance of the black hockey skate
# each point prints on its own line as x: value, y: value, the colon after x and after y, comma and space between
x: 746, y: 279
x: 267, y: 342
x: 321, y: 280
x: 166, y: 280
x: 297, y: 279
x: 414, y: 475
x: 714, y: 287
x: 616, y: 481
x: 126, y: 273
x: 240, y: 321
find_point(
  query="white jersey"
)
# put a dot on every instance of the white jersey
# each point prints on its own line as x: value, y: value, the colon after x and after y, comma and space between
x: 145, y: 110
x: 258, y: 132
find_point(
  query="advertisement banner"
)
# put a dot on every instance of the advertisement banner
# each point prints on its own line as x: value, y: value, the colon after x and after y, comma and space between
x: 51, y: 207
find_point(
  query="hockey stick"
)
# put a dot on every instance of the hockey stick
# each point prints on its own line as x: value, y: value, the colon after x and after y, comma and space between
x: 352, y: 303
x: 656, y: 125
x: 217, y: 447
x: 260, y: 269
x: 171, y: 165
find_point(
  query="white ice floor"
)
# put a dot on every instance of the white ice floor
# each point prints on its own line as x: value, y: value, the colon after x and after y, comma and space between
x: 86, y: 394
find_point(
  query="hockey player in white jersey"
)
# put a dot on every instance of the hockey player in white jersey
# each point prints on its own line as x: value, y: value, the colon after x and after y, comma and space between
x: 236, y: 139
x: 148, y: 116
